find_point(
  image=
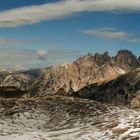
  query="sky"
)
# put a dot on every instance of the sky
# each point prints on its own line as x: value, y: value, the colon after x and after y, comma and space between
x: 40, y: 33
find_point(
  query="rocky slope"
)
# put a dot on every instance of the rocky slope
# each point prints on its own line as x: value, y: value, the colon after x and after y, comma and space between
x: 124, y: 90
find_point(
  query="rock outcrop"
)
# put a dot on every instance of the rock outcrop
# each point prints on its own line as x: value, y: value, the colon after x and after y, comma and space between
x: 20, y: 79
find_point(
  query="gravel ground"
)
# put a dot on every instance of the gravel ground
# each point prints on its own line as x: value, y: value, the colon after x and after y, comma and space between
x: 66, y: 118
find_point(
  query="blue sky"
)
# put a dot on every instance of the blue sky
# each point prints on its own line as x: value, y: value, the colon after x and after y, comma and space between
x: 39, y: 33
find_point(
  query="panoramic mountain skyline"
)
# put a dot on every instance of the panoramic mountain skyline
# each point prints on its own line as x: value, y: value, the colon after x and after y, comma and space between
x: 46, y: 32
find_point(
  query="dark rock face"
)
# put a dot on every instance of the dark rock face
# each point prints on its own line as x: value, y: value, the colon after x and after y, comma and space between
x: 124, y: 90
x: 11, y: 92
x: 126, y: 59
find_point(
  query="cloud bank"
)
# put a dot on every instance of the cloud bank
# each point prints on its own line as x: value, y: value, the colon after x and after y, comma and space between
x: 112, y: 34
x: 49, y: 11
x: 29, y: 58
x: 14, y: 42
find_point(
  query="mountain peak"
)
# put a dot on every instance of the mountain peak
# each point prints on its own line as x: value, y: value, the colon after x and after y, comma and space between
x: 126, y: 59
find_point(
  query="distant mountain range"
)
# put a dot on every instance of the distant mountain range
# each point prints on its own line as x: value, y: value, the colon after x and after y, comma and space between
x: 15, y: 68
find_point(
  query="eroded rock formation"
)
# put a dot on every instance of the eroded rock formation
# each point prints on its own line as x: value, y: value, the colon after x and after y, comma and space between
x: 84, y: 71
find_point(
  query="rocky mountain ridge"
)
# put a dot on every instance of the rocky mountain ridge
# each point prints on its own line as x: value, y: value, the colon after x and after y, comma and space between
x: 89, y: 69
x: 69, y: 78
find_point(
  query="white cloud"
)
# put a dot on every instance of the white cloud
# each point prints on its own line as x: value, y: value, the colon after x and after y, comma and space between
x: 49, y: 11
x: 41, y: 54
x: 54, y: 52
x: 111, y: 33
